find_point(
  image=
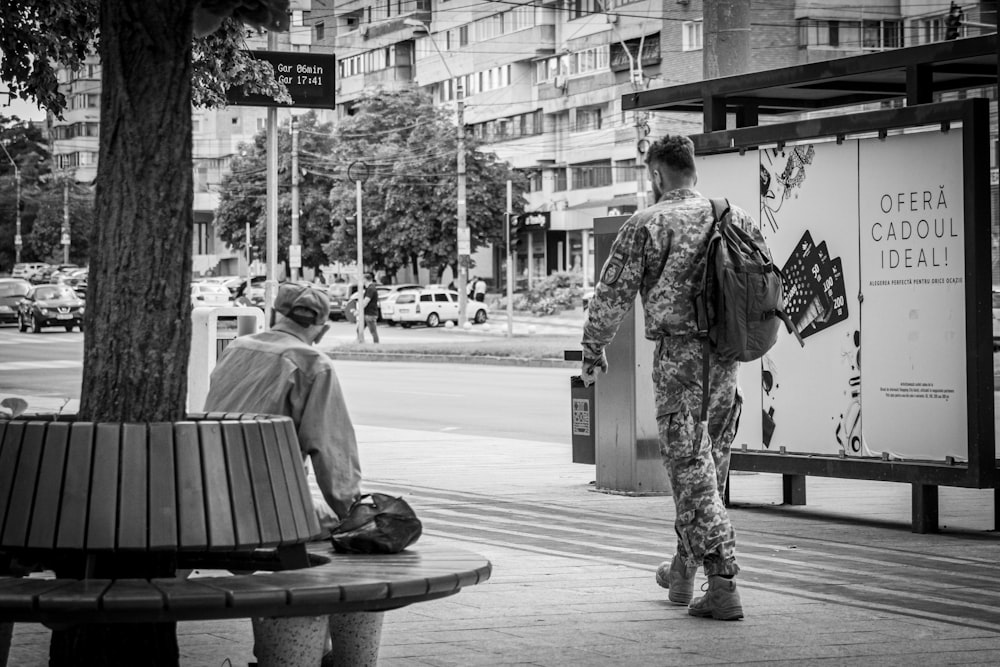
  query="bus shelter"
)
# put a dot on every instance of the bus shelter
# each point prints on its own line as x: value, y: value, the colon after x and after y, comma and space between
x: 881, y: 222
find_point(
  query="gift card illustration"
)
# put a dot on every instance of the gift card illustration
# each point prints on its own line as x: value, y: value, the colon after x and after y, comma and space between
x: 814, y: 287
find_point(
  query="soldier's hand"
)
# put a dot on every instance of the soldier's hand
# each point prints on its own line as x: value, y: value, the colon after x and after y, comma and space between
x: 588, y: 372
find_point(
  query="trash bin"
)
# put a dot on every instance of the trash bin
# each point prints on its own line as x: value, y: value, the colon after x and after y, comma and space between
x: 582, y: 400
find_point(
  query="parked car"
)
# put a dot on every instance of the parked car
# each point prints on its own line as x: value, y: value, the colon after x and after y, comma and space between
x: 339, y: 294
x: 209, y: 294
x: 27, y: 269
x: 351, y: 308
x: 50, y: 306
x: 432, y: 306
x: 12, y: 290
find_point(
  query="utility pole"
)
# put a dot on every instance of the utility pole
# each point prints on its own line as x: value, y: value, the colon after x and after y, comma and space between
x: 65, y: 231
x: 358, y: 172
x: 464, y: 241
x: 271, y: 234
x: 726, y: 38
x: 510, y: 261
x: 17, y: 228
x: 295, y: 251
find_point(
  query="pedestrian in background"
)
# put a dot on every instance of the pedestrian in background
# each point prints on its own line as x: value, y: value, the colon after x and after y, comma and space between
x: 479, y: 289
x: 659, y: 253
x: 370, y: 307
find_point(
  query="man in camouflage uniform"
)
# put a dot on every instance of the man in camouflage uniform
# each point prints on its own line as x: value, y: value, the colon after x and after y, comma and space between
x: 659, y: 253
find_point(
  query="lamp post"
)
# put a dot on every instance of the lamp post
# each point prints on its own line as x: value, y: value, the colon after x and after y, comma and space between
x: 464, y: 242
x: 17, y: 228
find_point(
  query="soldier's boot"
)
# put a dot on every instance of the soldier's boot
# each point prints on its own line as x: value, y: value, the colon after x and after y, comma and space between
x: 678, y: 577
x: 721, y: 600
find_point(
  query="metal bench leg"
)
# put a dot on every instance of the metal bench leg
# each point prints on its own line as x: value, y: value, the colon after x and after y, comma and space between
x: 356, y: 638
x: 793, y: 489
x: 925, y: 508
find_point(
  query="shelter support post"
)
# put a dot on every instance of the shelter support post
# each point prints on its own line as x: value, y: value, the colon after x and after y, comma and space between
x: 925, y: 508
x: 793, y: 489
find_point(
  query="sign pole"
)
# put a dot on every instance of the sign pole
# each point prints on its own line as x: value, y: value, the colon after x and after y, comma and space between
x: 510, y: 265
x: 271, y: 235
x: 358, y: 172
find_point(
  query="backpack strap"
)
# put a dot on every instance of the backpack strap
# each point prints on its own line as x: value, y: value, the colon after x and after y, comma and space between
x: 720, y: 207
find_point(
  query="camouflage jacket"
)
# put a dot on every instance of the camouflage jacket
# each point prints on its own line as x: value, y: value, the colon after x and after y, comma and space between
x: 659, y: 253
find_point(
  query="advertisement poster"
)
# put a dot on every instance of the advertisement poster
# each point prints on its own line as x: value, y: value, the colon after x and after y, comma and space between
x: 733, y: 176
x: 811, y: 393
x: 913, y: 316
x: 869, y: 237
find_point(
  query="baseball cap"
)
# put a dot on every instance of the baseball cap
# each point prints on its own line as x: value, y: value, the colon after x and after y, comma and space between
x: 303, y: 301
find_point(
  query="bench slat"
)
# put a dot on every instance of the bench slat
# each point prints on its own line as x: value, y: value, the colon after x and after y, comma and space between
x: 267, y: 513
x: 251, y: 590
x: 103, y: 512
x: 291, y: 463
x: 189, y: 594
x: 8, y: 463
x: 282, y: 500
x: 133, y: 490
x: 190, y: 492
x: 49, y: 491
x: 162, y: 490
x: 304, y: 497
x: 15, y: 530
x: 221, y: 534
x: 22, y: 594
x: 71, y: 533
x: 78, y: 595
x: 244, y: 507
x: 132, y: 594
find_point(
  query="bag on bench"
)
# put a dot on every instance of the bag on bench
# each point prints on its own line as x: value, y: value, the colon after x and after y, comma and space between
x: 377, y: 523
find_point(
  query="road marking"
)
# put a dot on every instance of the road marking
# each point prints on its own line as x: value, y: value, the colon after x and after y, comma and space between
x: 40, y: 365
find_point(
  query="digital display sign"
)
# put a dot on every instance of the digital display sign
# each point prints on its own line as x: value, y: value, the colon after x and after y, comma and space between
x: 309, y: 77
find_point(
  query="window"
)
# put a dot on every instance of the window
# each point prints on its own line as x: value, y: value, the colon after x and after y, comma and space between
x: 624, y: 171
x: 588, y: 119
x: 619, y: 60
x: 559, y: 180
x: 583, y: 8
x: 320, y: 31
x: 441, y: 297
x: 591, y: 174
x: 582, y: 62
x: 869, y: 35
x: 691, y: 35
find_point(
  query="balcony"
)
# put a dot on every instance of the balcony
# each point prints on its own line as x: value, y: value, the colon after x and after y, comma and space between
x: 390, y: 77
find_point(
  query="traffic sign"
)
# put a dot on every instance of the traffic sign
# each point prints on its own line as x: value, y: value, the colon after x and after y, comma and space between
x: 309, y: 77
x: 65, y: 239
x: 295, y: 256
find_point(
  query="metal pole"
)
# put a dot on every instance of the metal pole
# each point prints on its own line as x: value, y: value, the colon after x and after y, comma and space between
x: 271, y: 230
x: 463, y: 224
x: 246, y: 291
x: 510, y: 265
x: 361, y: 266
x: 295, y: 251
x: 17, y: 228
x: 65, y: 234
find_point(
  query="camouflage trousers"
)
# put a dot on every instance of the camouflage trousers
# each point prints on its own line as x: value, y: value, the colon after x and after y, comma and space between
x: 696, y: 454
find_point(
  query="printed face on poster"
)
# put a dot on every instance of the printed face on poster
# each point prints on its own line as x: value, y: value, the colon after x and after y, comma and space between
x: 869, y: 236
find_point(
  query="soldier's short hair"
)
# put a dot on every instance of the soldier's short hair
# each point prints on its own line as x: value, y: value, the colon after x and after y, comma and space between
x: 675, y: 151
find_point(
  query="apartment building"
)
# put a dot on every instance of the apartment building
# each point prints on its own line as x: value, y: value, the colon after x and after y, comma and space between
x: 542, y: 82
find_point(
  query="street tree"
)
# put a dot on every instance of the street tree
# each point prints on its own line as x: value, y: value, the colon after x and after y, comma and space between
x: 24, y: 143
x: 138, y: 306
x: 243, y: 195
x: 409, y: 200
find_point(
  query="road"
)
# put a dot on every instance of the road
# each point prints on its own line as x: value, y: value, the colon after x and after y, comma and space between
x: 499, y: 401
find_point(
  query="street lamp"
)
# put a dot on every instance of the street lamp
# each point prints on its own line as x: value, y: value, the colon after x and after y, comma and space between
x: 17, y: 228
x: 464, y: 243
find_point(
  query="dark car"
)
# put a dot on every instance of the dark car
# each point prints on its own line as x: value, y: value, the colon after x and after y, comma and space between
x: 12, y: 290
x: 339, y: 294
x: 50, y: 306
x: 351, y: 305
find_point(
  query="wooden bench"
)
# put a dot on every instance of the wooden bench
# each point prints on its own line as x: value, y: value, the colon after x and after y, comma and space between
x: 217, y: 491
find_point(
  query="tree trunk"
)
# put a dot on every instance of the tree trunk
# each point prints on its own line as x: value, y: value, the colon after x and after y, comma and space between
x: 138, y: 300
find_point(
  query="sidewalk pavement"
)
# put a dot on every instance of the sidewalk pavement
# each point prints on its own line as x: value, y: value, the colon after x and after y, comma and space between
x: 839, y: 581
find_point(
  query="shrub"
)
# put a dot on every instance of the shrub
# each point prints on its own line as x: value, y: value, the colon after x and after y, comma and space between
x: 550, y: 295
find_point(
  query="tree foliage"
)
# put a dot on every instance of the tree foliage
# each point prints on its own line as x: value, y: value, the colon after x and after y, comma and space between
x: 243, y: 196
x: 153, y: 69
x: 409, y: 200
